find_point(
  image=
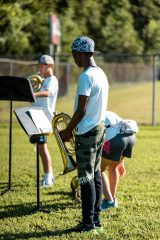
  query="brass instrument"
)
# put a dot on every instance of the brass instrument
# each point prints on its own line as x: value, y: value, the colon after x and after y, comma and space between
x: 75, y: 187
x: 36, y: 81
x: 67, y: 149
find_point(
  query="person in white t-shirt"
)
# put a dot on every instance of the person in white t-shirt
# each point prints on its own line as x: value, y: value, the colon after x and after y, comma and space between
x: 46, y: 97
x: 89, y: 112
x: 117, y: 146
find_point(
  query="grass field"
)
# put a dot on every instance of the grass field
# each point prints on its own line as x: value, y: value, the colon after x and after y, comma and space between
x: 128, y: 100
x: 132, y: 101
x: 137, y: 217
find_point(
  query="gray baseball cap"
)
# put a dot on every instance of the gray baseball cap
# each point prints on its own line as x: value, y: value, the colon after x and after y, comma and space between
x: 46, y: 59
x: 83, y: 44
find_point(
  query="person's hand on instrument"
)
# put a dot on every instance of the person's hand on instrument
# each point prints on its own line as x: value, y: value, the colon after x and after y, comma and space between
x: 65, y: 135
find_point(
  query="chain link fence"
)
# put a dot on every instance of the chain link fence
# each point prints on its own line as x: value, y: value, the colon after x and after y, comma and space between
x: 139, y: 72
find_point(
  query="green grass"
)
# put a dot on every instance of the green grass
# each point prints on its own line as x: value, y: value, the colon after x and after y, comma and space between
x: 137, y: 217
x: 132, y: 101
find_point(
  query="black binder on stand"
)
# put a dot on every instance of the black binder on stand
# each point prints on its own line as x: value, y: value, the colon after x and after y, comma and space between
x: 35, y: 121
x: 14, y: 89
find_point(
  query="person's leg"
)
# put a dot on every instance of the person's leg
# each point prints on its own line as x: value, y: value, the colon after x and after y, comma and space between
x: 88, y: 199
x: 105, y: 181
x: 98, y: 201
x: 114, y: 176
x: 47, y: 165
x: 121, y: 169
x: 108, y: 189
x: 46, y: 158
x: 88, y: 149
x: 85, y: 157
x: 98, y: 181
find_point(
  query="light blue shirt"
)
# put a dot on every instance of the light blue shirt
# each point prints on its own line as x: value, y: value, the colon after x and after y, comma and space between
x: 48, y: 84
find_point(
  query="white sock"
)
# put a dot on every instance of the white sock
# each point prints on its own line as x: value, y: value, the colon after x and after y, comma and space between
x: 110, y: 202
x: 48, y: 176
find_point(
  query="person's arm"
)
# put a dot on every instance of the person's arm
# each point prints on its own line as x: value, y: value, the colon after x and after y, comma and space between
x: 66, y: 134
x: 46, y: 93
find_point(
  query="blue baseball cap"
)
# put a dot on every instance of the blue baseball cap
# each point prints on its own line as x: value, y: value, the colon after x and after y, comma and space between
x: 83, y: 44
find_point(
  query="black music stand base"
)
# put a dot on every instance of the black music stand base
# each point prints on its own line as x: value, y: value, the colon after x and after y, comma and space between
x: 38, y: 208
x: 5, y: 191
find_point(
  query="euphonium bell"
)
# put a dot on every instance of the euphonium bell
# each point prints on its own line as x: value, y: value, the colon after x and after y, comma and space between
x: 76, y: 191
x: 36, y: 81
x: 67, y: 149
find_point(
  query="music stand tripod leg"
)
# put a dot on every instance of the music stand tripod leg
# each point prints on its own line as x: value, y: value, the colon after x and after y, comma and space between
x: 10, y: 149
x: 10, y: 153
x: 38, y: 208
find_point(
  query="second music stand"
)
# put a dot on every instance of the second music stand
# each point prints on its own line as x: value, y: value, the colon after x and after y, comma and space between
x: 31, y: 130
x: 14, y: 89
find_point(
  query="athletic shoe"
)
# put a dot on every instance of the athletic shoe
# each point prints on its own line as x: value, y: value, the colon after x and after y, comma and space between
x: 82, y: 228
x: 115, y: 203
x: 47, y: 182
x: 107, y: 204
x: 98, y: 226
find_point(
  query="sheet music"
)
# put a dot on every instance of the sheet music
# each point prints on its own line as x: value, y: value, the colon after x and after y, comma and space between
x: 41, y: 121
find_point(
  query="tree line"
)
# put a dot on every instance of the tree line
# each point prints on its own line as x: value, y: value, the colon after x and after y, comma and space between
x: 121, y: 27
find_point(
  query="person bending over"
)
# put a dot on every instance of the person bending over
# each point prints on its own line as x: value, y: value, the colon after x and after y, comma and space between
x: 118, y: 145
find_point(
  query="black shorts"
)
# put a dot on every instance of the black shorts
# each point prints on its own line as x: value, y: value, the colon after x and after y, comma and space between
x: 120, y: 145
x: 41, y: 139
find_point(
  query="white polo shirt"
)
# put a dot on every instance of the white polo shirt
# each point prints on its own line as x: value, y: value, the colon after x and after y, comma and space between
x: 94, y: 84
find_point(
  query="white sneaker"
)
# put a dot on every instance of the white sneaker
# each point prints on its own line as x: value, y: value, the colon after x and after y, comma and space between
x: 47, y: 182
x: 115, y: 203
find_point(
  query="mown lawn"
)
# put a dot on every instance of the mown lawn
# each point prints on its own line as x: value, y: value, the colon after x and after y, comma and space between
x: 134, y: 101
x: 137, y: 217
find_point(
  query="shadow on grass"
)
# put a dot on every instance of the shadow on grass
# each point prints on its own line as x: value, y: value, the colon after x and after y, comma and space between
x: 11, y: 236
x: 4, y: 187
x: 59, y: 192
x: 30, y: 208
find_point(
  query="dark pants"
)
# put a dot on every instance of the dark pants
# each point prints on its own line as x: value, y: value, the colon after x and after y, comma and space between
x: 88, y: 155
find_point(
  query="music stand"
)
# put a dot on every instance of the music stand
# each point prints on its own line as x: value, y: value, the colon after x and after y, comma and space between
x: 31, y: 130
x: 14, y: 89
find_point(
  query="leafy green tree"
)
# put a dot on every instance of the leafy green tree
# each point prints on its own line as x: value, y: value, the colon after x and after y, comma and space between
x: 146, y: 22
x: 151, y: 34
x: 108, y: 22
x: 13, y: 39
x: 77, y: 18
x: 39, y: 26
x: 118, y: 32
x: 126, y: 26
